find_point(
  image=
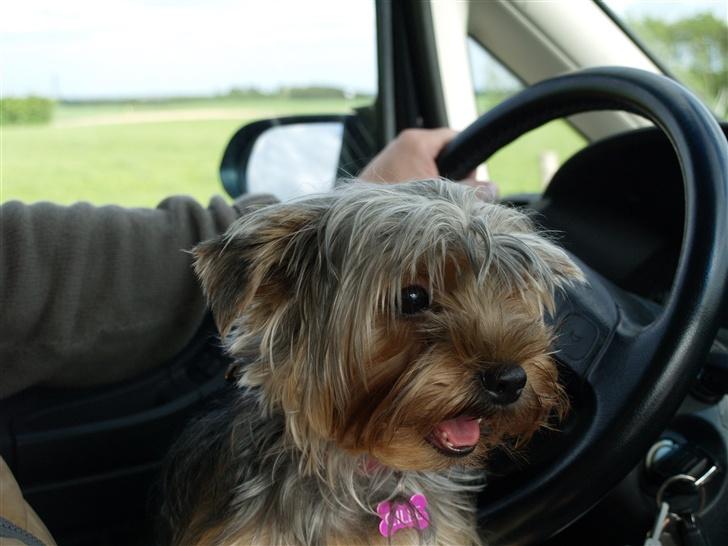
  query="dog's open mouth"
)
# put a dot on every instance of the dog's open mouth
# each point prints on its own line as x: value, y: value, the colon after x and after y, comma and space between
x: 456, y: 437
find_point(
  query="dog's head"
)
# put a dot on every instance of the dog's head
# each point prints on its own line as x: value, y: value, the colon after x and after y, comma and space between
x: 404, y: 322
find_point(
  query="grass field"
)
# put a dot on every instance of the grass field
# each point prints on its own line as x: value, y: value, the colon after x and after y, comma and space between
x: 137, y: 154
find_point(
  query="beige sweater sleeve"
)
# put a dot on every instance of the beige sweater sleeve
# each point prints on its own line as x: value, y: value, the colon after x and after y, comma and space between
x: 92, y: 295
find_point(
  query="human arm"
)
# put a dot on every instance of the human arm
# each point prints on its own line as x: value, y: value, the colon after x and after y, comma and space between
x: 94, y: 295
x: 412, y: 155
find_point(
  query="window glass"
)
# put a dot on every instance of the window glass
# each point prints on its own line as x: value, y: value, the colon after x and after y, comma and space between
x: 526, y: 165
x: 130, y: 101
x: 689, y: 38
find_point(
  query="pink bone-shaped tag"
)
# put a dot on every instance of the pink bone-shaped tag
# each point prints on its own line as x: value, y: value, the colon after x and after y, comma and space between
x: 402, y: 515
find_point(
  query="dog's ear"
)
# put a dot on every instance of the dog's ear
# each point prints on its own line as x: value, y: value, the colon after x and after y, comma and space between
x: 250, y: 258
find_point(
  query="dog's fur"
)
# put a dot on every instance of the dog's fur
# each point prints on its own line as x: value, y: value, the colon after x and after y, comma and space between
x: 339, y: 390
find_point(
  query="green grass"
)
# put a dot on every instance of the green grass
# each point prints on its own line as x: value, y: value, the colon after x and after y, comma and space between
x: 130, y: 165
x: 139, y: 164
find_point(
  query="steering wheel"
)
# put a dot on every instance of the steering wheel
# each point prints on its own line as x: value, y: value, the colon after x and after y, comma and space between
x: 630, y: 363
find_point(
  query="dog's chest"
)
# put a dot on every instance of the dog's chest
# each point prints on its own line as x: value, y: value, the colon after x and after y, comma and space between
x: 446, y: 527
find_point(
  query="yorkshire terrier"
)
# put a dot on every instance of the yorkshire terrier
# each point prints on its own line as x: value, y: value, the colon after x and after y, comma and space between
x: 389, y: 338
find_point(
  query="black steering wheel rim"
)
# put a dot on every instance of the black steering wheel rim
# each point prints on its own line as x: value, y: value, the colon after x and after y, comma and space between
x: 640, y: 378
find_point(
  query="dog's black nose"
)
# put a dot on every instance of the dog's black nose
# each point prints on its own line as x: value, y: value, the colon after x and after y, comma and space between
x: 504, y: 383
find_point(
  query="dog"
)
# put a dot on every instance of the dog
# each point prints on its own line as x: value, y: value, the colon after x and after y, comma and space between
x: 389, y: 338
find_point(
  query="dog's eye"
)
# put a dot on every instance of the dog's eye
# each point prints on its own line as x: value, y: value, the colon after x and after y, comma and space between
x: 414, y: 299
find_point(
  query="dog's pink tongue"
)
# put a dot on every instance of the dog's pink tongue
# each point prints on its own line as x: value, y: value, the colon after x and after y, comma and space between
x: 461, y: 431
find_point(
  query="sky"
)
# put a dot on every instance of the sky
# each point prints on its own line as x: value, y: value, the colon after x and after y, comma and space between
x: 146, y: 48
x: 110, y: 48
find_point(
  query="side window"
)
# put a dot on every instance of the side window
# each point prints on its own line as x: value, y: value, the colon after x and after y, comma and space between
x: 526, y: 165
x: 130, y: 101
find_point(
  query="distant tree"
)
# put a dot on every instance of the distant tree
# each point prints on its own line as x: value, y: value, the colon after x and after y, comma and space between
x: 246, y: 92
x: 26, y: 110
x: 695, y: 49
x: 316, y: 92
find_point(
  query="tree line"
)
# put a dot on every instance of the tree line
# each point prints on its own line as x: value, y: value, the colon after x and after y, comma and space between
x: 695, y: 50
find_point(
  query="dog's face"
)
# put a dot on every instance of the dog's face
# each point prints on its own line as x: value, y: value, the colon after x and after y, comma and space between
x: 403, y: 322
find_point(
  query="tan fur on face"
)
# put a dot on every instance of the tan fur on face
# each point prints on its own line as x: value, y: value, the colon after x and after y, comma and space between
x: 424, y: 370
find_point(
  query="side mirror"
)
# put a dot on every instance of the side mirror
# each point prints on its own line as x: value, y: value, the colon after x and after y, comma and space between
x: 286, y: 157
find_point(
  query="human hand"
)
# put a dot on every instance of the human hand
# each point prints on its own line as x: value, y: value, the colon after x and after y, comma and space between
x: 412, y: 155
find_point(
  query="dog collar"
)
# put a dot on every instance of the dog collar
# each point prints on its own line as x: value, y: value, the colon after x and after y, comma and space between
x: 403, y: 515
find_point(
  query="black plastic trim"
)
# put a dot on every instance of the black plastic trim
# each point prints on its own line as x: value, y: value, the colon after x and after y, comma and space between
x: 423, y: 51
x: 386, y: 108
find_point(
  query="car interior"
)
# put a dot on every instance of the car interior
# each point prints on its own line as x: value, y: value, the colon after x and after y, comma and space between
x: 644, y: 350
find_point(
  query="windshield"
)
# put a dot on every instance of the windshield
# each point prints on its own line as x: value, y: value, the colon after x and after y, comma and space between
x: 689, y: 39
